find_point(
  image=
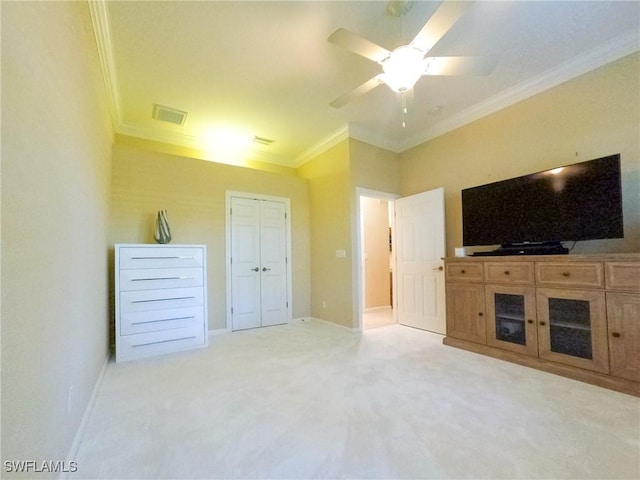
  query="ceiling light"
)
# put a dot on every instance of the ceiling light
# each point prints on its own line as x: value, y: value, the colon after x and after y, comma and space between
x: 403, y: 68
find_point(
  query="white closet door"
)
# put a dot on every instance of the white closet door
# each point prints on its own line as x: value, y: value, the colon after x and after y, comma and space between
x: 273, y: 256
x: 245, y: 263
x: 258, y: 263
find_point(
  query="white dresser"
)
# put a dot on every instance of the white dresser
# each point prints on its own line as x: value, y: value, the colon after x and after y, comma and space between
x: 160, y: 299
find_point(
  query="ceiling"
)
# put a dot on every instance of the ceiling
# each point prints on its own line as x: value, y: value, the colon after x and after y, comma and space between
x: 267, y: 69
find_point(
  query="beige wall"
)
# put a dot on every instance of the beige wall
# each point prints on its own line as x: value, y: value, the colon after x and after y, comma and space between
x: 193, y: 193
x: 594, y: 115
x: 330, y: 212
x: 56, y: 149
x: 375, y: 234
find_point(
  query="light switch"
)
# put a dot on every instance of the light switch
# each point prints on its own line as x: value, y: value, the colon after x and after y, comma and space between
x: 341, y: 254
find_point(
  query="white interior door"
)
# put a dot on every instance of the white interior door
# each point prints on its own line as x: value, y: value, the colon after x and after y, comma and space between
x: 245, y: 264
x: 258, y: 263
x: 420, y: 246
x: 273, y: 261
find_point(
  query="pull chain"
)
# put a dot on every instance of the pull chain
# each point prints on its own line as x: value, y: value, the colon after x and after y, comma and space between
x: 404, y: 109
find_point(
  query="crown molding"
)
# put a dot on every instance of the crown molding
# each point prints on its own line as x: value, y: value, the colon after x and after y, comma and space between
x: 323, y: 145
x: 100, y: 21
x: 360, y: 133
x: 194, y: 143
x: 609, y: 52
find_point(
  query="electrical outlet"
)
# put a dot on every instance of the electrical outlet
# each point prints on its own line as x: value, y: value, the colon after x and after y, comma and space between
x: 324, y: 304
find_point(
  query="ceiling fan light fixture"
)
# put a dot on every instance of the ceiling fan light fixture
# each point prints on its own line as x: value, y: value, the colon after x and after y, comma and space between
x: 403, y: 67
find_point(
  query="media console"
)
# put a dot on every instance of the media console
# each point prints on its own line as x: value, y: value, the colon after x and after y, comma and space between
x: 572, y: 315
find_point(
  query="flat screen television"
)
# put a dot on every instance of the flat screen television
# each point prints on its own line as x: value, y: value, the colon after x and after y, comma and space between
x: 534, y: 213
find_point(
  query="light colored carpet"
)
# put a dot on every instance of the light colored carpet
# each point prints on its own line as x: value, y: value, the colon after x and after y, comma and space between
x: 377, y: 317
x: 314, y: 400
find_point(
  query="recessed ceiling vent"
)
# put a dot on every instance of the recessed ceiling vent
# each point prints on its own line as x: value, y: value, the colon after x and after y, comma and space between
x: 262, y: 141
x: 171, y: 115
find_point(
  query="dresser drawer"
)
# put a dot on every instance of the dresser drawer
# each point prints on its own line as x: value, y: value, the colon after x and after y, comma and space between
x: 154, y: 343
x: 156, y: 320
x: 144, y: 300
x: 623, y: 276
x: 521, y: 273
x: 154, y: 278
x: 466, y: 271
x: 574, y: 274
x: 160, y: 257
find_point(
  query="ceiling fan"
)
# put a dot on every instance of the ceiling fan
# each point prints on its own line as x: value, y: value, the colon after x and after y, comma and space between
x: 402, y: 67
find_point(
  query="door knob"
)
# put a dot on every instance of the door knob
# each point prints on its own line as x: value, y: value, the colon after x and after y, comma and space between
x: 255, y: 269
x: 265, y: 269
x: 438, y: 268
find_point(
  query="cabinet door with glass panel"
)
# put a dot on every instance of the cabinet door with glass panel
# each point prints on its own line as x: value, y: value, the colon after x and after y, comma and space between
x: 511, y: 318
x: 572, y: 328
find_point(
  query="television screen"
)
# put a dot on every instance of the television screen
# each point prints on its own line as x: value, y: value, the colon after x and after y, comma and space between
x: 582, y: 201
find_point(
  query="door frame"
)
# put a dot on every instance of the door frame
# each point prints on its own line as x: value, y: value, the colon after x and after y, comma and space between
x: 255, y: 196
x: 358, y: 258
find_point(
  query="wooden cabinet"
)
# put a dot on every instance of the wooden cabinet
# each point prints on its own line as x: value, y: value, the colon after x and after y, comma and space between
x: 465, y: 312
x: 511, y: 318
x: 623, y: 312
x: 575, y: 315
x: 572, y: 328
x: 160, y: 299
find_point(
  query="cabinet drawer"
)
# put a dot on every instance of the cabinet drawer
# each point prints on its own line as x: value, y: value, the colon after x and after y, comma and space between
x: 144, y: 300
x: 156, y: 320
x: 160, y: 257
x: 464, y: 271
x: 509, y: 272
x: 154, y: 343
x: 154, y: 278
x: 578, y: 274
x: 623, y: 276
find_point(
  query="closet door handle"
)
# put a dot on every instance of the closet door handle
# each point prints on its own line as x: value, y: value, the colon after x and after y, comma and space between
x: 255, y: 269
x: 265, y: 269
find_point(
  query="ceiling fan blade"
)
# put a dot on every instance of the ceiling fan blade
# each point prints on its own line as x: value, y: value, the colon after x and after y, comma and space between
x: 440, y: 22
x: 356, y: 92
x: 461, y: 65
x: 355, y: 43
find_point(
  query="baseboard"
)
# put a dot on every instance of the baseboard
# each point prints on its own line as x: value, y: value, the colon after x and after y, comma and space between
x: 377, y: 309
x: 315, y: 319
x: 73, y: 451
x: 218, y: 331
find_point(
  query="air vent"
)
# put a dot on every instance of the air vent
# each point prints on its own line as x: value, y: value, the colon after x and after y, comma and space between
x: 262, y: 141
x: 171, y: 115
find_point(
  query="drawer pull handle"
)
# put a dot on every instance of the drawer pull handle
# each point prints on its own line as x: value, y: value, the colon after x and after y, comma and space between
x: 163, y: 341
x: 565, y: 274
x: 163, y: 299
x: 163, y: 320
x: 506, y: 272
x: 615, y: 334
x: 160, y: 278
x: 480, y: 314
x: 178, y: 257
x: 462, y: 271
x: 542, y: 324
x: 529, y: 321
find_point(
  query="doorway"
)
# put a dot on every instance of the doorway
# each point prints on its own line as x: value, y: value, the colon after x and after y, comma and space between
x: 377, y: 262
x: 417, y: 239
